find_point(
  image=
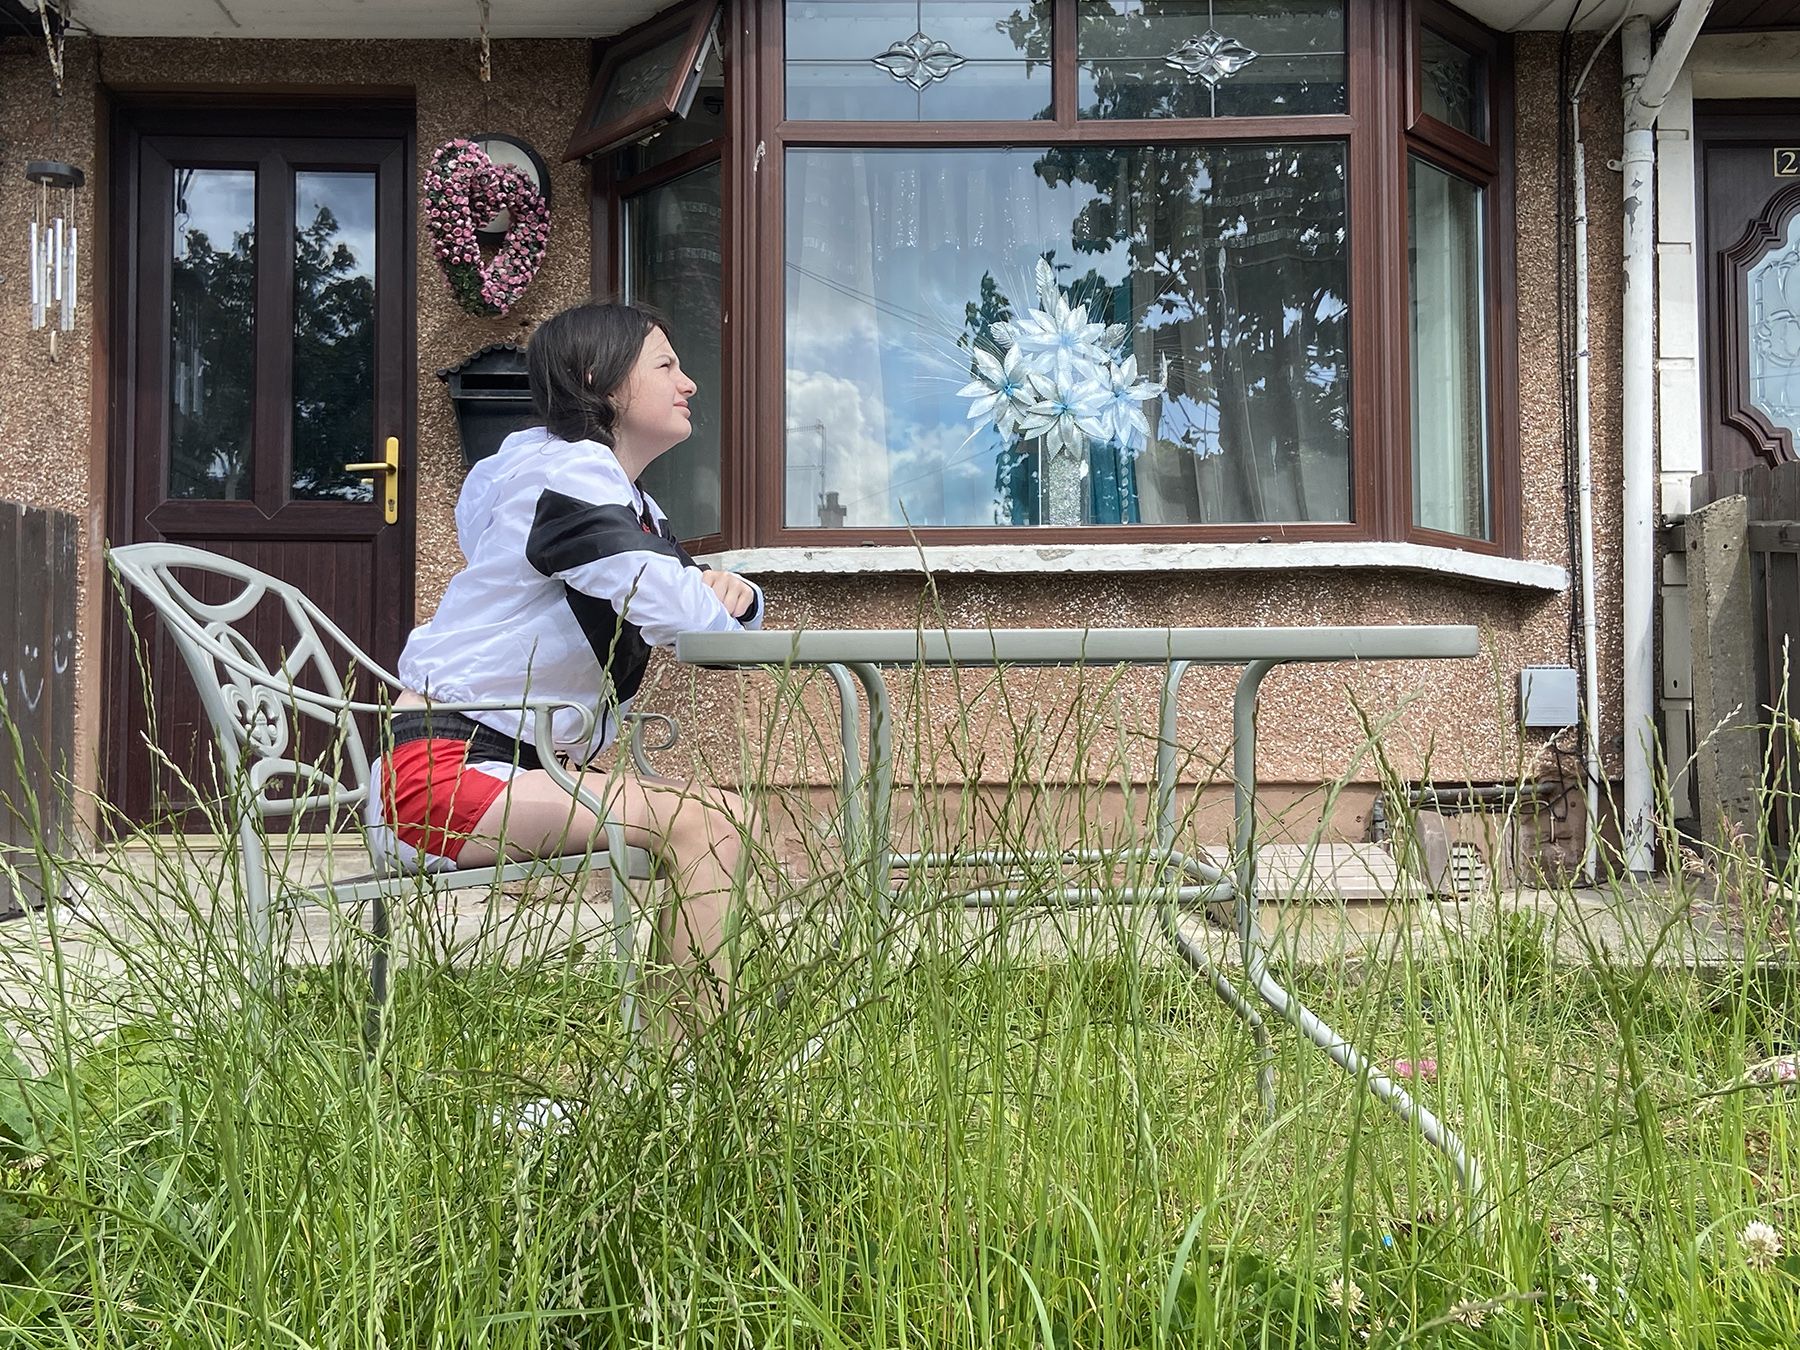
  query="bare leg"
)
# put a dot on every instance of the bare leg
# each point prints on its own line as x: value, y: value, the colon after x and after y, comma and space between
x: 693, y: 829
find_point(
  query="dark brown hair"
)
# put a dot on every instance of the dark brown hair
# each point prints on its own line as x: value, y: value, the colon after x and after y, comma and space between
x: 578, y: 360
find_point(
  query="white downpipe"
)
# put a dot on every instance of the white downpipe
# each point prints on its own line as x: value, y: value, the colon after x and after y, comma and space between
x: 1584, y: 429
x: 1646, y: 86
x: 1637, y: 395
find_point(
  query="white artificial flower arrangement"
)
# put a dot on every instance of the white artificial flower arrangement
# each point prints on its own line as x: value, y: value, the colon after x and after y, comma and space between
x: 1061, y: 376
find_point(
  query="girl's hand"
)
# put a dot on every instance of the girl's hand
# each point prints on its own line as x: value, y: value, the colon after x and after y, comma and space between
x: 733, y: 591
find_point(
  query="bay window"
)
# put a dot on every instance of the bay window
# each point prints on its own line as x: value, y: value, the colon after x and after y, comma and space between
x: 1087, y: 270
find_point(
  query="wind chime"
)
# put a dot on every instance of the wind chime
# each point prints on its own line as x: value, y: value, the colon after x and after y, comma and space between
x: 54, y: 236
x: 55, y: 246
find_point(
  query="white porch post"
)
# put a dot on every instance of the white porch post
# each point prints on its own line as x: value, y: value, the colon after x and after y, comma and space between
x: 1646, y: 85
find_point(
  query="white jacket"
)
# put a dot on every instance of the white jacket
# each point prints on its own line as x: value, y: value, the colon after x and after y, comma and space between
x: 573, y: 577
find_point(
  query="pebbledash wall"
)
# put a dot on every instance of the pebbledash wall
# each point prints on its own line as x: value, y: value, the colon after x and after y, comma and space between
x: 1461, y: 718
x: 53, y: 427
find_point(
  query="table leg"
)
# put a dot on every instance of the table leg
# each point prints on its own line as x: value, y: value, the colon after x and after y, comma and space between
x: 851, y: 783
x: 1345, y: 1055
x: 881, y: 783
x: 1191, y: 952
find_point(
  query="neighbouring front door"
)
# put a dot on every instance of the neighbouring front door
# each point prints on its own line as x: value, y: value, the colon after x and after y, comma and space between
x: 1749, y: 172
x: 267, y: 348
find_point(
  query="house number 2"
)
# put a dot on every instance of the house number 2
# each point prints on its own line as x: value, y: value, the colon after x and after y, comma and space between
x: 1787, y: 162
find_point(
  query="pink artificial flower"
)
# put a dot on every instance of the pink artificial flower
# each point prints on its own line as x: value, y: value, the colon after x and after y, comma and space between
x: 1420, y: 1069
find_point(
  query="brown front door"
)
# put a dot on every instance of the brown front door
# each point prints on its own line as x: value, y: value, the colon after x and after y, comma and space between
x: 269, y: 296
x: 1749, y: 179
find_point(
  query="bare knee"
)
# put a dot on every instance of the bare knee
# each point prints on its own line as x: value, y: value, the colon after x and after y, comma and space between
x: 704, y: 825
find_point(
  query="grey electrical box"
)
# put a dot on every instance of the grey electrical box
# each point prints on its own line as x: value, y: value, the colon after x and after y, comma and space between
x: 1549, y: 696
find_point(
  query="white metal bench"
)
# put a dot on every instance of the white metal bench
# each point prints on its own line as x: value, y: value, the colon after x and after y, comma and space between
x: 261, y: 707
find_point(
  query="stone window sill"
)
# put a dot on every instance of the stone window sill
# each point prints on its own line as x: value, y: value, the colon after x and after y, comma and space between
x: 1045, y: 559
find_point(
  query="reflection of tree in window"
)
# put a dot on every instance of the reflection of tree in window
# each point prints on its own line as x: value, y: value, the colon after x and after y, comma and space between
x: 211, y: 308
x: 334, y: 362
x: 1238, y: 287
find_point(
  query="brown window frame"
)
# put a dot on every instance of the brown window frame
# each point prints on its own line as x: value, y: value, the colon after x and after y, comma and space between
x: 1380, y: 129
x: 696, y: 18
x: 1487, y: 164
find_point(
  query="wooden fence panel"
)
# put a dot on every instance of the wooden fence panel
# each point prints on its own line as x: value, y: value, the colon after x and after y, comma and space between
x: 37, y: 669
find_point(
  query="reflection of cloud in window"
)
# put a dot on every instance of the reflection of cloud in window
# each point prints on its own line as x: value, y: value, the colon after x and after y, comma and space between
x: 350, y: 197
x: 1189, y: 423
x: 833, y: 446
x: 218, y: 203
x: 886, y: 470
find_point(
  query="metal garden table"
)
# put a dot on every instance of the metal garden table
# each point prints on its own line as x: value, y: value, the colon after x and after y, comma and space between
x: 857, y: 656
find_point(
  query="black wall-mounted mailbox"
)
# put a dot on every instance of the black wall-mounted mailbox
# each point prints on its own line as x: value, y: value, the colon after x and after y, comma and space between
x: 492, y: 398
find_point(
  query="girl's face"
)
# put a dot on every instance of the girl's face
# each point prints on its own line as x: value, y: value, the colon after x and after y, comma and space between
x: 653, y: 403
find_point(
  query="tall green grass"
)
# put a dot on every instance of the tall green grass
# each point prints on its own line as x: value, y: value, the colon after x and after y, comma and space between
x: 1025, y: 1127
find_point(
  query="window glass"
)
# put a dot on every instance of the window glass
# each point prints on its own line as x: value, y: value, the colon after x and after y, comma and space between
x: 212, y: 325
x: 672, y: 236
x: 1452, y: 84
x: 1210, y: 58
x: 1449, y: 387
x: 1078, y: 335
x: 918, y: 60
x: 334, y: 334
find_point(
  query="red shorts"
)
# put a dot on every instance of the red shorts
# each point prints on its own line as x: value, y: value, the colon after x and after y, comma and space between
x: 432, y: 799
x: 434, y: 792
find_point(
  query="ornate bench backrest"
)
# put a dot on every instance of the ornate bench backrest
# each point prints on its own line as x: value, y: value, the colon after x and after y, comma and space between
x: 283, y: 721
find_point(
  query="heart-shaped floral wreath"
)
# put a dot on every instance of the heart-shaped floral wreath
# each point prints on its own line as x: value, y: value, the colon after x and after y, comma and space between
x: 464, y: 189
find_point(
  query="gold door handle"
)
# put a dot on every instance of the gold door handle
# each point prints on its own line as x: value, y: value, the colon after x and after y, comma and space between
x: 389, y: 469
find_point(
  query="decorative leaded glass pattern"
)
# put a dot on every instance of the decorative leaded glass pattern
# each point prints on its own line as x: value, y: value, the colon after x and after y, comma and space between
x: 918, y: 60
x: 1210, y: 58
x: 1773, y: 342
x: 1452, y: 84
x: 640, y: 79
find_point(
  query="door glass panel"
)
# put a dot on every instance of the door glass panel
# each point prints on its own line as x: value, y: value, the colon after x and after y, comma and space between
x: 1210, y: 58
x: 334, y: 334
x: 1773, y: 342
x: 212, y: 349
x: 672, y: 265
x: 918, y: 60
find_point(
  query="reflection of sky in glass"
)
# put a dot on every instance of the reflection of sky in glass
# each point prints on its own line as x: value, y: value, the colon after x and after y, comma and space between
x: 1227, y: 265
x: 219, y: 203
x: 350, y: 197
x: 873, y: 365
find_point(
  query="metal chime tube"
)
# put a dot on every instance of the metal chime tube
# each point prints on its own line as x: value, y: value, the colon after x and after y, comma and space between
x: 56, y: 293
x: 74, y: 252
x: 68, y: 309
x: 37, y: 278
